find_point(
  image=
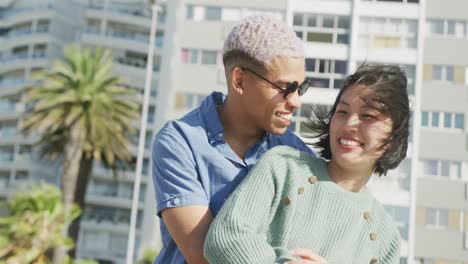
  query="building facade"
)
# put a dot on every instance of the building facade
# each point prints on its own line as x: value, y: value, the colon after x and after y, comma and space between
x: 427, y: 194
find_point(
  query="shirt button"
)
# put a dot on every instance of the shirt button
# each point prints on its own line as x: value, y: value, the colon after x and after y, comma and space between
x: 313, y: 179
x: 300, y: 190
x: 287, y: 200
x: 366, y: 215
x: 373, y: 261
x: 373, y: 236
x: 176, y: 201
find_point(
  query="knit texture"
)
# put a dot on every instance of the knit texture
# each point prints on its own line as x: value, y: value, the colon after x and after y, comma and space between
x: 280, y: 206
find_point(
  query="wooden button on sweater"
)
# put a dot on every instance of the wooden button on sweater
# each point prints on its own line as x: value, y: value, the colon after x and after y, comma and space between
x: 366, y: 215
x: 313, y: 179
x: 300, y: 190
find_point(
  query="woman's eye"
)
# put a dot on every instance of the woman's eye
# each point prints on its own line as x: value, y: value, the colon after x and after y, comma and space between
x: 368, y: 116
x: 341, y: 112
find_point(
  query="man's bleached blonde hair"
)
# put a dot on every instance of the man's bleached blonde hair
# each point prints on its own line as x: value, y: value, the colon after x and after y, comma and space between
x: 257, y: 40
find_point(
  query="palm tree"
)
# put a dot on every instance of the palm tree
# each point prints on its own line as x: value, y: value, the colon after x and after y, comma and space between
x: 82, y: 113
x: 34, y: 226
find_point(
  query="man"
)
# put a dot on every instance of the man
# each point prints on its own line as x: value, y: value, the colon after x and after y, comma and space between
x: 201, y: 158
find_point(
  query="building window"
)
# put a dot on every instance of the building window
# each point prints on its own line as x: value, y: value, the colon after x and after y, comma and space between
x: 6, y: 154
x: 189, y: 12
x: 401, y: 217
x: 117, y: 242
x: 444, y: 169
x: 215, y: 13
x: 447, y: 28
x: 208, y: 57
x: 95, y: 240
x: 326, y: 73
x: 460, y: 121
x: 185, y: 100
x: 436, y: 218
x: 401, y: 1
x: 195, y: 13
x: 8, y: 129
x: 443, y: 120
x: 387, y: 33
x: 322, y: 28
x: 442, y: 73
x: 231, y: 14
x: 4, y: 179
x: 410, y: 71
x: 196, y: 56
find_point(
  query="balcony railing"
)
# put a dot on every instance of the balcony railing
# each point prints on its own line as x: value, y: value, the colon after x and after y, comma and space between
x: 6, y: 157
x: 19, y: 32
x: 11, y: 83
x: 143, y: 38
x: 13, y: 12
x: 7, y: 107
x: 128, y: 36
x: 139, y: 13
x: 131, y: 12
x: 109, y: 218
x: 38, y: 54
x: 8, y: 132
x: 137, y: 63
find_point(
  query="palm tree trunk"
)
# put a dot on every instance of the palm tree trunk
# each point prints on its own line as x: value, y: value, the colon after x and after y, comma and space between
x: 73, y: 152
x: 86, y: 166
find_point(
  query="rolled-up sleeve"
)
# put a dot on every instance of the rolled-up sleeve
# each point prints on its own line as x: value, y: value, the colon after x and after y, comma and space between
x: 175, y: 177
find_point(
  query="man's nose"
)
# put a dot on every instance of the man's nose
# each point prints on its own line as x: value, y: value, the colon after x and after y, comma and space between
x: 294, y: 100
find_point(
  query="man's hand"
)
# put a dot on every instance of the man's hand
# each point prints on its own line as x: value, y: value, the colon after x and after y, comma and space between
x: 307, y: 257
x: 188, y: 226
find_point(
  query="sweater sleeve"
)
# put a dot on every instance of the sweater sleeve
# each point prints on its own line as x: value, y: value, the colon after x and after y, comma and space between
x: 239, y: 232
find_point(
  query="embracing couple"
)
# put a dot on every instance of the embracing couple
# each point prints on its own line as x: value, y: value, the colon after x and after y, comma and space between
x: 234, y: 185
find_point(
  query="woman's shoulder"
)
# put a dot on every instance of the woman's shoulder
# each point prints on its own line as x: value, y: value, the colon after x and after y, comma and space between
x: 295, y: 160
x: 288, y: 152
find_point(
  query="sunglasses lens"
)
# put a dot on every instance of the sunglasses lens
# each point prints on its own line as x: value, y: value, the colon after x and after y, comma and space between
x: 292, y: 87
x: 304, y: 87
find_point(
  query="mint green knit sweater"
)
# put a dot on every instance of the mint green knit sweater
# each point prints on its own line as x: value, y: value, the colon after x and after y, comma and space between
x: 288, y: 201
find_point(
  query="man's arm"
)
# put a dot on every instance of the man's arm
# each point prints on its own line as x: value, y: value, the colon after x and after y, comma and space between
x: 180, y: 197
x: 188, y: 226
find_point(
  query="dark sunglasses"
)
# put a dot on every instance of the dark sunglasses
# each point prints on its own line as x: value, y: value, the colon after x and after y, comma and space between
x: 291, y: 88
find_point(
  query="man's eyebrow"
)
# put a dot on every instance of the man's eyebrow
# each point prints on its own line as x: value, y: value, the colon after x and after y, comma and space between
x: 283, y: 81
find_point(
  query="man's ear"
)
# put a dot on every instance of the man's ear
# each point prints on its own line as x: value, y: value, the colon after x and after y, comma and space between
x: 237, y: 80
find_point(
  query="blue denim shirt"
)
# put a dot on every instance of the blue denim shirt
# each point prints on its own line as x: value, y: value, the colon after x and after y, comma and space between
x: 192, y: 165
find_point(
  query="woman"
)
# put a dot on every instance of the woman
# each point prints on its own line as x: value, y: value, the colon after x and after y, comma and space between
x: 293, y: 200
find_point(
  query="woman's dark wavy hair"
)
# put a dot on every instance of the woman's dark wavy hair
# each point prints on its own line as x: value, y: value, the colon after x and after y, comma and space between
x: 386, y: 92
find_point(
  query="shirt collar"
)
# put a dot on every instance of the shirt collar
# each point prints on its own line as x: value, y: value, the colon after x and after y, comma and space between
x: 213, y: 126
